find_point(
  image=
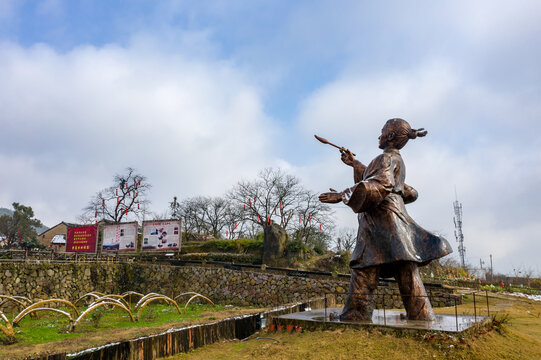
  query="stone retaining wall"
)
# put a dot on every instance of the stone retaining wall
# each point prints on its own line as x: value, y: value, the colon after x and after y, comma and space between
x: 238, y: 287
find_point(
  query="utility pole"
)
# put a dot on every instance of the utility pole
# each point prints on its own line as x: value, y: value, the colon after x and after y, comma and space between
x: 481, y: 262
x: 458, y: 230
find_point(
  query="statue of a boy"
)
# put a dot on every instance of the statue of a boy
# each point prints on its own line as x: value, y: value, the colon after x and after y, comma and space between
x: 389, y: 242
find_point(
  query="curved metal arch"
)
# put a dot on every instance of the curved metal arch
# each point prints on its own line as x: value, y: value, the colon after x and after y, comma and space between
x: 4, y: 317
x: 96, y: 296
x: 14, y: 299
x: 144, y: 298
x: 127, y: 293
x: 23, y: 298
x: 195, y: 296
x: 163, y: 297
x: 95, y: 306
x: 48, y: 309
x: 42, y: 302
x: 113, y: 296
x: 106, y: 298
x: 186, y: 293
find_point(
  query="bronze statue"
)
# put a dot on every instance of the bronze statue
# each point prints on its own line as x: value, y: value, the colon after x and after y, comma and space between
x: 389, y: 242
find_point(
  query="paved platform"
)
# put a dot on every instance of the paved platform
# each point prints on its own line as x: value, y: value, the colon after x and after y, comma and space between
x: 387, y: 319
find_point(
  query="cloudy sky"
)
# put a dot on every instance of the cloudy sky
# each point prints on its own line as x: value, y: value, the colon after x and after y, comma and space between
x: 198, y: 95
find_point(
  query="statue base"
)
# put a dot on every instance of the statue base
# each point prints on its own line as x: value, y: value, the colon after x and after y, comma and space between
x: 391, y: 319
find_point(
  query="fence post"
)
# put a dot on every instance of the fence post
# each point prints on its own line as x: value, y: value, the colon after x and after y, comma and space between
x: 456, y: 315
x: 488, y: 307
x: 384, y: 317
x: 474, y: 308
x: 325, y: 317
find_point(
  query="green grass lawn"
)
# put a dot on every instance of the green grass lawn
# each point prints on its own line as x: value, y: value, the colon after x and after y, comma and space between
x: 51, y: 327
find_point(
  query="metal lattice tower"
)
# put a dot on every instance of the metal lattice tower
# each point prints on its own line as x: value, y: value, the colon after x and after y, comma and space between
x: 458, y: 230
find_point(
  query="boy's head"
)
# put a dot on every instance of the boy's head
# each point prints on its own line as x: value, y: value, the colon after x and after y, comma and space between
x: 396, y: 133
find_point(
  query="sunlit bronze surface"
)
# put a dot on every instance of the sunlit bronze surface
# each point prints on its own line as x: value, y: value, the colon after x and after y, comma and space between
x: 389, y: 242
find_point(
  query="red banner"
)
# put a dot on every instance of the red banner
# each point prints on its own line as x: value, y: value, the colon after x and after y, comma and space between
x: 81, y: 239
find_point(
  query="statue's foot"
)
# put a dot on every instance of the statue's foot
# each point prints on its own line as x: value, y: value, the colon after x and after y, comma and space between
x: 334, y: 316
x: 425, y: 316
x: 355, y: 315
x: 420, y: 310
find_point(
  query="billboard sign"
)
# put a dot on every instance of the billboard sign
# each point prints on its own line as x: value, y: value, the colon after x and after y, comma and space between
x: 81, y: 239
x: 161, y: 235
x: 120, y: 237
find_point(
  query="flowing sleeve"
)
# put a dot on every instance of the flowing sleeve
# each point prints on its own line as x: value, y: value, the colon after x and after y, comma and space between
x: 378, y: 183
x: 358, y: 171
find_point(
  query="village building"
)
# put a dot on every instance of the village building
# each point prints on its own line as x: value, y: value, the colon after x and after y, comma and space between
x: 47, y: 236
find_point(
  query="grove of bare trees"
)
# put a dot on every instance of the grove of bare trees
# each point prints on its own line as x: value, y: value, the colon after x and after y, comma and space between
x: 273, y: 198
x: 253, y: 205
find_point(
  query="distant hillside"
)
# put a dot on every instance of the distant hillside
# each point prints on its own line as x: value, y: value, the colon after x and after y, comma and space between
x: 4, y: 211
x: 42, y: 229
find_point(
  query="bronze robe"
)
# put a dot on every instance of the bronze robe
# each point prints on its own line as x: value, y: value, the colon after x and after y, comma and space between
x: 387, y: 234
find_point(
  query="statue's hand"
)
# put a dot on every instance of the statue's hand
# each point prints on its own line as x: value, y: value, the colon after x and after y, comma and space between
x: 347, y: 156
x: 332, y: 197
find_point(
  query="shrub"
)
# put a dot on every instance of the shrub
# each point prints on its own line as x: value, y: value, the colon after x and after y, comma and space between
x: 225, y: 246
x: 96, y: 316
x: 223, y: 257
x: 499, y: 322
x: 296, y: 247
x: 319, y: 250
x: 149, y: 315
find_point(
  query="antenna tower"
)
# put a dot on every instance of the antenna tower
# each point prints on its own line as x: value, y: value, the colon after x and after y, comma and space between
x: 458, y: 230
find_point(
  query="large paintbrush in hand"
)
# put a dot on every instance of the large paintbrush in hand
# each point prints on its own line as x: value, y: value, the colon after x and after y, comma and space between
x: 325, y: 141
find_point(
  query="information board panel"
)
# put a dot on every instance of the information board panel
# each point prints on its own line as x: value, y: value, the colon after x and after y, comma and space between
x: 81, y: 239
x: 161, y: 235
x: 120, y: 237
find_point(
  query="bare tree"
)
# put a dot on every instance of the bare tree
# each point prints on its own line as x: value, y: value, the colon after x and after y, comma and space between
x: 116, y: 203
x: 236, y: 225
x: 346, y: 239
x: 201, y: 215
x: 191, y: 212
x: 314, y: 218
x: 214, y: 211
x: 278, y: 198
x: 271, y: 198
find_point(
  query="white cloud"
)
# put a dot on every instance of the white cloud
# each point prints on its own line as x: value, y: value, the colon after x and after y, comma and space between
x: 494, y: 20
x: 72, y: 120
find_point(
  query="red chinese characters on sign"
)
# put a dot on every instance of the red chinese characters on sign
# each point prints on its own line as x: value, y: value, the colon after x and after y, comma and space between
x: 81, y: 239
